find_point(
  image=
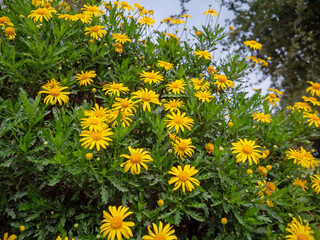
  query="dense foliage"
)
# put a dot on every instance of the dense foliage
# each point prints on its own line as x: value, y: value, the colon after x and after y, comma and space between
x: 101, y: 115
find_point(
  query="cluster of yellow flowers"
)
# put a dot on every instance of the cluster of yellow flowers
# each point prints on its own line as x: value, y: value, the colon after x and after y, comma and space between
x: 9, y: 30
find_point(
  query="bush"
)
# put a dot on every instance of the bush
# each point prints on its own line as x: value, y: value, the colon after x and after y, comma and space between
x: 110, y: 113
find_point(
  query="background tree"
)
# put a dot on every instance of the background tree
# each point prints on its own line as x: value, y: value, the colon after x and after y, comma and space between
x: 289, y: 32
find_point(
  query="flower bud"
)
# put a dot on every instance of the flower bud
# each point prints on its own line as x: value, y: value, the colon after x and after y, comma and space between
x: 94, y: 90
x: 89, y: 156
x: 160, y: 202
x: 221, y: 148
x: 230, y: 124
x: 224, y: 221
x: 22, y: 228
x: 76, y: 225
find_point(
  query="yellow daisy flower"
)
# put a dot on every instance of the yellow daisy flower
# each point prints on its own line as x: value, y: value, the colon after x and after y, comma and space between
x: 313, y: 100
x: 314, y: 89
x: 300, y: 183
x: 92, y: 10
x: 122, y: 38
x: 171, y: 35
x: 167, y: 66
x: 123, y: 5
x: 298, y: 231
x: 10, y: 32
x: 114, y: 225
x: 12, y: 237
x: 172, y: 105
x: 124, y: 105
x: 96, y: 138
x: 166, y: 20
x: 95, y: 31
x: 41, y: 13
x: 205, y: 54
x: 211, y: 70
x: 176, y: 87
x: 145, y: 97
x: 315, y: 179
x: 223, y: 82
x: 183, y: 178
x: 138, y: 157
x: 160, y: 233
x: 5, y: 21
x: 313, y: 119
x: 151, y: 77
x: 55, y: 94
x: 177, y: 21
x: 204, y: 96
x: 147, y: 20
x: 302, y: 158
x: 84, y: 78
x: 115, y: 88
x: 253, y: 44
x: 186, y: 16
x: 302, y: 106
x: 113, y: 116
x: 139, y: 7
x: 96, y: 111
x: 178, y: 120
x: 183, y: 148
x: 199, y: 84
x: 93, y: 123
x: 246, y: 150
x: 211, y: 12
x: 84, y: 18
x: 275, y: 91
x: 272, y: 98
x: 261, y: 117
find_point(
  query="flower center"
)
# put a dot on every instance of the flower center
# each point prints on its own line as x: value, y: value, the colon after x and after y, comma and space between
x: 183, y: 176
x: 95, y: 29
x: 173, y: 104
x: 96, y: 136
x: 182, y: 146
x: 98, y: 113
x: 204, y: 95
x: 146, y: 97
x: 316, y: 86
x: 273, y: 96
x: 42, y: 11
x: 116, y: 222
x: 91, y: 9
x: 9, y: 30
x: 116, y: 86
x: 125, y: 104
x: 271, y: 186
x: 299, y: 156
x: 178, y: 120
x: 135, y: 158
x: 222, y: 78
x: 55, y: 92
x: 81, y: 16
x: 302, y: 236
x: 315, y: 118
x: 151, y: 76
x: 159, y: 236
x: 175, y: 85
x: 94, y: 121
x: 247, y: 149
x: 84, y: 76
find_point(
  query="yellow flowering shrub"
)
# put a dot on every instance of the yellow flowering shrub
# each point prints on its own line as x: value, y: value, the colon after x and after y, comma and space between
x: 110, y: 130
